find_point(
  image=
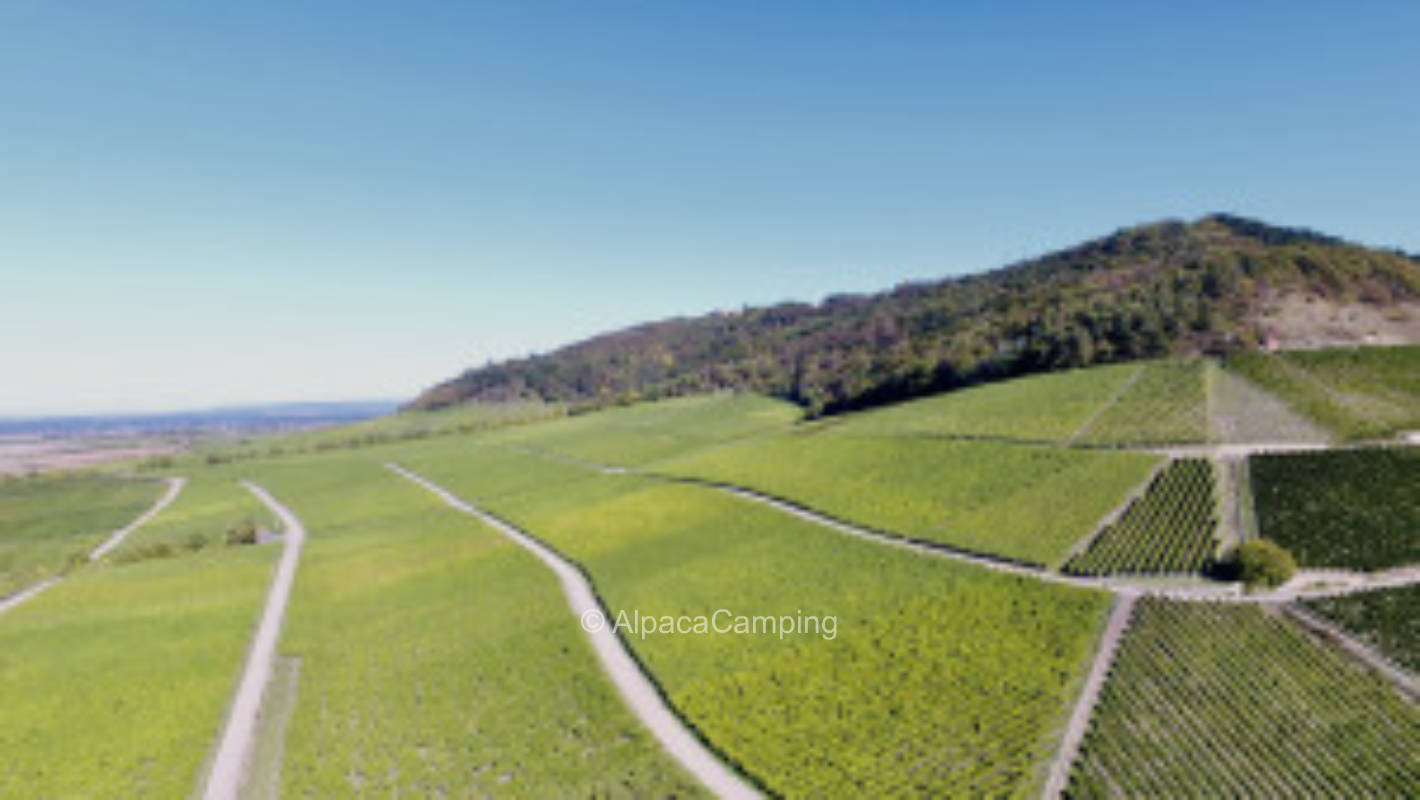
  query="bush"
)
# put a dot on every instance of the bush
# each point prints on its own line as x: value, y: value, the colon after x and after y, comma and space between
x: 243, y: 532
x: 1263, y: 562
x: 196, y: 542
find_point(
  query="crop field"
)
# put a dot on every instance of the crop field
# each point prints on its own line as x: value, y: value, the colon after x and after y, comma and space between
x: 1166, y: 404
x: 1358, y: 509
x: 115, y: 682
x: 47, y: 521
x: 1022, y: 502
x: 1170, y: 529
x: 211, y: 503
x: 1042, y: 408
x: 650, y: 431
x: 1243, y: 412
x: 1387, y: 620
x: 907, y: 693
x: 1233, y: 701
x: 1356, y: 392
x: 438, y: 659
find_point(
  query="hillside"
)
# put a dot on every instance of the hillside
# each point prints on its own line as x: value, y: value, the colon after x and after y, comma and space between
x: 1219, y: 284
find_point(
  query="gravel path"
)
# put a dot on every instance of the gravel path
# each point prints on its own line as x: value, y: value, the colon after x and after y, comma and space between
x: 635, y: 687
x: 1085, y: 705
x: 116, y: 538
x: 235, y: 747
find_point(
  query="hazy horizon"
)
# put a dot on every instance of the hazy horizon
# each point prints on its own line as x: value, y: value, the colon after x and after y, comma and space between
x: 255, y: 204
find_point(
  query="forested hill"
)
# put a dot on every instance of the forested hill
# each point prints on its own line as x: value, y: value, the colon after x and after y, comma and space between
x: 1153, y: 290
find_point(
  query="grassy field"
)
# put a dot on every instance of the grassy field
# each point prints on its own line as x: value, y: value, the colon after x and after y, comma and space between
x: 210, y: 504
x: 1042, y: 408
x: 1166, y: 404
x: 1357, y: 392
x: 1346, y: 508
x: 115, y: 682
x: 1233, y: 701
x: 1021, y: 502
x: 438, y: 659
x: 47, y: 521
x: 1170, y: 529
x: 907, y: 696
x: 1388, y: 620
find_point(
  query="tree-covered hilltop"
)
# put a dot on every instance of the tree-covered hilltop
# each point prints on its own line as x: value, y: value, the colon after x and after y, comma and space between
x: 1159, y: 289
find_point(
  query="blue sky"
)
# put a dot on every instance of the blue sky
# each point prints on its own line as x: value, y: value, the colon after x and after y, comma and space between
x: 207, y: 204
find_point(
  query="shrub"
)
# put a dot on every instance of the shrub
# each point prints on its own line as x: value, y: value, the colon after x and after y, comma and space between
x: 1263, y: 562
x: 243, y: 532
x: 196, y: 542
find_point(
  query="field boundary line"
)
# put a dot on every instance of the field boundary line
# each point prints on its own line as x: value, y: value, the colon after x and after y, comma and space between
x: 116, y: 538
x: 630, y: 678
x: 235, y: 745
x: 1358, y: 650
x: 1079, y: 723
x: 1113, y: 515
x: 1108, y: 404
x: 30, y: 592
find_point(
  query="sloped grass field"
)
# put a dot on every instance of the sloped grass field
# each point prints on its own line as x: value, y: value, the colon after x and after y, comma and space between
x: 115, y: 682
x: 1357, y: 392
x: 1357, y: 509
x: 46, y: 521
x: 438, y: 659
x: 1041, y: 408
x: 1020, y: 502
x: 210, y: 504
x: 941, y: 679
x: 1388, y: 620
x: 1212, y: 700
x: 1169, y: 530
x: 646, y: 432
x: 1166, y: 404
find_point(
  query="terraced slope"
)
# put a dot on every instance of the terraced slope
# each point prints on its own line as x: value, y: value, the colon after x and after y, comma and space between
x: 1356, y: 392
x: 47, y: 521
x: 1356, y: 509
x: 906, y: 695
x: 1170, y: 529
x: 1025, y: 503
x: 1232, y: 701
x: 1166, y: 404
x: 437, y: 658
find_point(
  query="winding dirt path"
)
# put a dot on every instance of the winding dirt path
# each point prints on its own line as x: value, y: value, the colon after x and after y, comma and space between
x: 625, y: 673
x: 114, y: 540
x: 235, y: 746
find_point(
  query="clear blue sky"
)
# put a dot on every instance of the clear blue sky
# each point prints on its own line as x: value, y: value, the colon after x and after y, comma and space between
x: 214, y: 203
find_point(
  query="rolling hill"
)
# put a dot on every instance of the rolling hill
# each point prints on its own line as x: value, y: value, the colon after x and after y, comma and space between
x: 1220, y: 284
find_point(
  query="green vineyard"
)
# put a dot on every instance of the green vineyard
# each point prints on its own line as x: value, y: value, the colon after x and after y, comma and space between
x: 1168, y: 530
x: 1388, y: 621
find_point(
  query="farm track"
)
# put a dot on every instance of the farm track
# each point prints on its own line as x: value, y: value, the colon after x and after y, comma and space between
x: 235, y: 747
x: 1357, y: 649
x: 632, y: 683
x: 114, y: 540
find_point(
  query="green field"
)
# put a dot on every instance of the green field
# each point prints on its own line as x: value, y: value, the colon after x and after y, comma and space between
x: 210, y: 504
x: 1166, y: 404
x: 1358, y: 509
x: 438, y: 659
x: 1211, y: 700
x: 1170, y: 529
x: 1357, y: 392
x: 115, y: 682
x: 48, y: 521
x: 1021, y: 502
x: 1387, y: 620
x: 909, y: 695
x: 1042, y: 408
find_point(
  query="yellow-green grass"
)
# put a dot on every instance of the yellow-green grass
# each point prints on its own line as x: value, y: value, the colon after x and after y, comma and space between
x: 211, y: 503
x: 49, y: 521
x: 1357, y: 392
x: 1049, y: 407
x: 439, y: 659
x: 1166, y: 404
x: 1020, y: 502
x: 648, y: 432
x: 115, y: 682
x: 941, y: 678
